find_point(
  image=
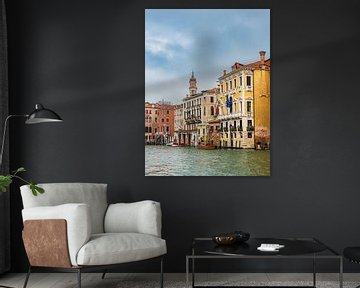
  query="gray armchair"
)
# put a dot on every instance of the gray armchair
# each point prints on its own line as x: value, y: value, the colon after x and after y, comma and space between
x: 72, y: 228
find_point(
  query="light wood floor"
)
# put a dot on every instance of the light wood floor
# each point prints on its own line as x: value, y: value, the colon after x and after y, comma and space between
x: 68, y: 280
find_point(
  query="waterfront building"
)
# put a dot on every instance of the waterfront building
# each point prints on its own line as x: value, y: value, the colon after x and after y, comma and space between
x: 192, y: 114
x: 198, y: 110
x: 159, y: 122
x: 244, y: 105
x: 209, y: 127
x: 179, y: 122
x: 151, y: 123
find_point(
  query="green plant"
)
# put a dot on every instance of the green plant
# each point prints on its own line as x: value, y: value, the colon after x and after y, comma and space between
x: 6, y: 180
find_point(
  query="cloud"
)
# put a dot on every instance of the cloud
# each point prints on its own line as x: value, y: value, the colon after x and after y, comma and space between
x: 165, y: 42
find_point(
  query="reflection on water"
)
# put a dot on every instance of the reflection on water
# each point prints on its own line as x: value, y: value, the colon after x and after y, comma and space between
x: 189, y: 161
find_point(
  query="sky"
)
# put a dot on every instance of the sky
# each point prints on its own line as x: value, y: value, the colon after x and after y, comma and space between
x: 206, y: 41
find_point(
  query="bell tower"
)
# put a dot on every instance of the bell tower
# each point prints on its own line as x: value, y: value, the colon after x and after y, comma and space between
x: 192, y: 85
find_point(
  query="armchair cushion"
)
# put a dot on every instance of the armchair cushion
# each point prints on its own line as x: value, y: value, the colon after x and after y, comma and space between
x: 138, y: 217
x: 78, y: 221
x: 113, y: 248
x: 92, y: 194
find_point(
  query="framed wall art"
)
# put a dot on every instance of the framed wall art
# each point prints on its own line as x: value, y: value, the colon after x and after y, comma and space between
x: 207, y: 92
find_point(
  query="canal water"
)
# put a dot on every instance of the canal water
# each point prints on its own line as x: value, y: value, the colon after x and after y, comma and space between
x: 190, y: 161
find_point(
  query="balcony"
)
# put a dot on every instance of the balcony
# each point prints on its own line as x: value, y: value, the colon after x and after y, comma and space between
x: 240, y: 128
x: 232, y: 128
x: 230, y: 116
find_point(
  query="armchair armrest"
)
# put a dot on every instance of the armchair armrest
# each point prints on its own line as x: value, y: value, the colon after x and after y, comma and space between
x: 77, y: 217
x: 138, y: 217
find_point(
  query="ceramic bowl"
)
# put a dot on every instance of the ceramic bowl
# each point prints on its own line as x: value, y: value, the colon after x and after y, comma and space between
x: 225, y: 239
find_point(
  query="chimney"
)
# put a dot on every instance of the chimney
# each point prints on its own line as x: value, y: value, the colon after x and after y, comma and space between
x: 262, y: 57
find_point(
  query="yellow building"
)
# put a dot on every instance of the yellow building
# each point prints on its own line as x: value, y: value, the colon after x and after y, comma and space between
x: 244, y: 105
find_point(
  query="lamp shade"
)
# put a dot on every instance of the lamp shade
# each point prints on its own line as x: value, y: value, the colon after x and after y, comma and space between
x: 42, y: 115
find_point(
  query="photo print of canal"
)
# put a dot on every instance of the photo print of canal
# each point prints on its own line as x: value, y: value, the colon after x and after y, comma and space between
x: 207, y: 92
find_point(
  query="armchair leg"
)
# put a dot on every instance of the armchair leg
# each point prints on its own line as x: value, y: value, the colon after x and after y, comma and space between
x: 79, y: 277
x: 27, y: 277
x: 103, y: 275
x: 161, y: 273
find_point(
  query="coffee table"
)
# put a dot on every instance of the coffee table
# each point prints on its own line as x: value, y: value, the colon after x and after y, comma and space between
x: 294, y: 248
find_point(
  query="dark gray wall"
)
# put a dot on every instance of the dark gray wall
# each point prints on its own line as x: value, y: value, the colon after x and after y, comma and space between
x: 85, y: 59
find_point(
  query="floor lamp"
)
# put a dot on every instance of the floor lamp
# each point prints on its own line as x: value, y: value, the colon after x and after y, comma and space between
x: 39, y: 115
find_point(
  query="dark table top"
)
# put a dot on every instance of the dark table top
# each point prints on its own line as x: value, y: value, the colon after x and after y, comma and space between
x: 293, y: 247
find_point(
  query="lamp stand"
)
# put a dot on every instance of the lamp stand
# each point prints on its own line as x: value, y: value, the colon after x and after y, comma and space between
x: 4, y: 135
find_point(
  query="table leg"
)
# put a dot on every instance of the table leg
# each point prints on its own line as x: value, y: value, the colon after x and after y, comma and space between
x: 187, y: 272
x: 341, y: 273
x: 193, y: 272
x: 314, y: 271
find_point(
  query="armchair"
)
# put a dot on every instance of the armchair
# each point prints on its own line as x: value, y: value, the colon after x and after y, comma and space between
x: 71, y: 228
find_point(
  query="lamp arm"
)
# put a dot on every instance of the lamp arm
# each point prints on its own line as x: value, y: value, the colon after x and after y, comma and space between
x: 4, y: 134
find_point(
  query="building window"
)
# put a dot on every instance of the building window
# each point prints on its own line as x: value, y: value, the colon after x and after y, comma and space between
x: 146, y: 129
x: 249, y: 135
x: 146, y: 111
x: 240, y: 81
x: 167, y: 119
x: 167, y: 111
x: 212, y: 110
x: 211, y: 99
x: 230, y: 84
x: 234, y: 83
x: 149, y: 129
x: 222, y: 88
x: 249, y: 123
x: 227, y: 86
x: 150, y: 119
x: 162, y: 119
x: 150, y: 111
x: 204, y: 111
x: 155, y: 130
x: 248, y: 106
x: 231, y: 105
x: 167, y: 128
x: 248, y: 80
